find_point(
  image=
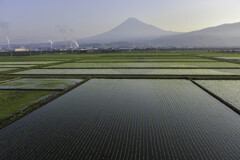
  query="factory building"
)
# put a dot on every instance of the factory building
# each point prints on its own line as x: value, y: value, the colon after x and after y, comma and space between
x: 22, y: 49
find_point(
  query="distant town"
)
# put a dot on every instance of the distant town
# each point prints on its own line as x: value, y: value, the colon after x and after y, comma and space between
x: 33, y: 49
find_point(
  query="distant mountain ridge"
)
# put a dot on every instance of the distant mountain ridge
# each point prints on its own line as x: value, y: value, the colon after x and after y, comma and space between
x: 134, y: 33
x: 132, y: 30
x: 226, y: 35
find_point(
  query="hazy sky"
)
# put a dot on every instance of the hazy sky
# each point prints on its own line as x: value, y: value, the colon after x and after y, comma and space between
x: 48, y: 19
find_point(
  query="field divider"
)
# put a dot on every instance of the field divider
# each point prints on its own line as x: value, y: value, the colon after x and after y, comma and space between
x: 9, y: 80
x: 142, y: 61
x: 53, y: 64
x: 135, y: 76
x: 217, y: 97
x: 219, y: 59
x: 29, y: 64
x: 27, y: 110
x: 21, y: 89
x: 79, y: 76
x: 144, y: 68
x: 12, y: 67
x: 36, y: 66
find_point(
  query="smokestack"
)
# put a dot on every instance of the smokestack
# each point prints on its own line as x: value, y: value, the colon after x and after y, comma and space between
x: 51, y: 43
x: 8, y: 42
x: 65, y: 45
x: 9, y: 47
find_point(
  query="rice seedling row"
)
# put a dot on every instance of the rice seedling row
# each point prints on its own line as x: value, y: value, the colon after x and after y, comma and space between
x: 127, y: 119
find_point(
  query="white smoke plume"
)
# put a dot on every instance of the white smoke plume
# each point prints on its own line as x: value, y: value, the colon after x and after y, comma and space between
x: 8, y: 42
x: 76, y: 44
x: 51, y: 43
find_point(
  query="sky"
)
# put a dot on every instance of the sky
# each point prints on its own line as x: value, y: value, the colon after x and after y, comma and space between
x: 40, y: 20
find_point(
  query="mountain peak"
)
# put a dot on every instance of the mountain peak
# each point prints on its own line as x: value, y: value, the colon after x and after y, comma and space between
x: 132, y: 19
x: 131, y: 30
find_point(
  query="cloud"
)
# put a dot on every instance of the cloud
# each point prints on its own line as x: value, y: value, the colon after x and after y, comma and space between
x: 4, y: 25
x: 62, y: 28
x: 4, y: 30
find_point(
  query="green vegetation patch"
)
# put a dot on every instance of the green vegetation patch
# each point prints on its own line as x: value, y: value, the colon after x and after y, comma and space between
x: 145, y: 60
x: 133, y: 57
x: 27, y: 63
x: 13, y: 101
x: 233, y: 71
x: 7, y: 69
x: 215, y: 54
x: 39, y: 84
x: 146, y: 65
x: 229, y: 90
x: 126, y: 71
x: 15, y: 66
x: 229, y: 57
x: 5, y: 78
x: 43, y: 57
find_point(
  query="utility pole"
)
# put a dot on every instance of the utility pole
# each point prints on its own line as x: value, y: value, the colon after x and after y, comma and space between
x: 65, y: 45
